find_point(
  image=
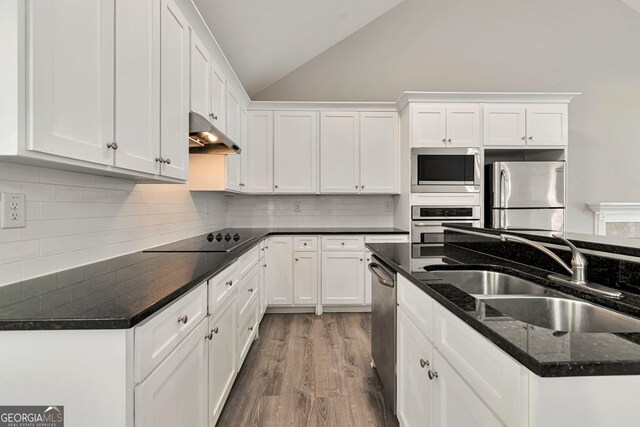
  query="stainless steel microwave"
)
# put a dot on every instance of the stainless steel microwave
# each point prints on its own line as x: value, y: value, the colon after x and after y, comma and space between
x: 445, y: 170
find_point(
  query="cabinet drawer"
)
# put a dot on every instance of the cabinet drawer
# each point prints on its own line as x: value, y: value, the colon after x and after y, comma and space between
x: 246, y: 331
x: 417, y: 305
x: 221, y: 285
x: 499, y: 380
x: 343, y: 243
x: 159, y: 335
x: 249, y: 288
x: 248, y: 260
x: 305, y: 243
x: 387, y: 238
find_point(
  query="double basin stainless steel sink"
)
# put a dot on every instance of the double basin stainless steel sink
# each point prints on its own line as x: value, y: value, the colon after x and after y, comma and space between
x: 531, y: 303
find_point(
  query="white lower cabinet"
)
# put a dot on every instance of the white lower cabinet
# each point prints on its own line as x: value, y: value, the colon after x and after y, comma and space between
x: 222, y: 357
x: 175, y: 393
x: 305, y: 278
x: 280, y: 270
x: 343, y: 278
x: 450, y: 375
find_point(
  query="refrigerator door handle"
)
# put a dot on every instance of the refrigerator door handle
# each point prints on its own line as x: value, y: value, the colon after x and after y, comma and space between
x: 503, y: 188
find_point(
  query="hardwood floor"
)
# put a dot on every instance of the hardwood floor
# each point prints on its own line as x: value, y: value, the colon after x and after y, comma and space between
x: 308, y: 370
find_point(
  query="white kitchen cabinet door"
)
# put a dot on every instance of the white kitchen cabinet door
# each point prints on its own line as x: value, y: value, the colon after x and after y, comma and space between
x: 234, y: 131
x: 70, y: 78
x: 246, y: 152
x: 295, y: 152
x: 305, y: 278
x: 222, y: 357
x: 428, y: 126
x: 463, y: 125
x: 137, y: 90
x: 260, y: 158
x: 200, y: 72
x: 504, y: 125
x: 342, y: 278
x: 339, y: 152
x: 174, y: 91
x: 547, y: 125
x: 280, y: 270
x: 454, y: 403
x: 175, y: 393
x: 218, y: 97
x: 415, y: 390
x: 379, y: 153
x: 367, y: 277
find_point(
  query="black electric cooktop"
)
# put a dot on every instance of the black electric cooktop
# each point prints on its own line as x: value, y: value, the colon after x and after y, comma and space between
x: 221, y: 241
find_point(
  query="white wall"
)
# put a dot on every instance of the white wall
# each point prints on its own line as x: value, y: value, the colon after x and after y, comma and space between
x: 73, y: 219
x: 588, y: 46
x: 315, y: 211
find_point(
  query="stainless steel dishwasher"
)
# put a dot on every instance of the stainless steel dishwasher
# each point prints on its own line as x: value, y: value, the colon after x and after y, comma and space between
x: 383, y: 327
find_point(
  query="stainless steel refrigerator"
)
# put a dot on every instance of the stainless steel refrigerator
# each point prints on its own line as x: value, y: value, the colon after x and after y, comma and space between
x: 525, y: 195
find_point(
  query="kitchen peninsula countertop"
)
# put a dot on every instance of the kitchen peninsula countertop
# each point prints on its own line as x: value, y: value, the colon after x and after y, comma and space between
x: 120, y: 292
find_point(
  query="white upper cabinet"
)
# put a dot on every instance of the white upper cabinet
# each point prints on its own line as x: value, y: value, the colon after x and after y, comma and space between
x: 379, y: 153
x: 174, y: 90
x: 504, y: 124
x: 218, y: 97
x: 450, y: 125
x: 429, y: 126
x: 70, y: 78
x: 137, y: 88
x: 295, y: 151
x: 339, y: 152
x: 200, y: 60
x: 260, y: 146
x: 245, y: 153
x: 547, y: 125
x: 234, y: 131
x: 525, y: 125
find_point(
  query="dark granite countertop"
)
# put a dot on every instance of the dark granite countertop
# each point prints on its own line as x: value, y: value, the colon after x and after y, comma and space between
x: 545, y: 352
x: 120, y: 292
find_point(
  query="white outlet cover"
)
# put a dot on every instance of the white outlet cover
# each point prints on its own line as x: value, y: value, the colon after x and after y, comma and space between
x: 13, y: 210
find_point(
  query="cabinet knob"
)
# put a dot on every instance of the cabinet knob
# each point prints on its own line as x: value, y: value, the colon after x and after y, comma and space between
x: 213, y: 116
x: 356, y: 187
x: 362, y: 187
x: 523, y: 138
x: 275, y: 186
x: 251, y: 328
x: 305, y: 244
x: 424, y: 363
x: 230, y: 283
x: 264, y: 265
x: 296, y: 259
x: 113, y: 145
x: 361, y: 260
x: 342, y: 243
x: 449, y: 140
x: 250, y: 289
x: 432, y: 374
x: 159, y: 159
x: 215, y: 330
x: 167, y: 161
x: 444, y: 140
x: 183, y: 319
x: 530, y: 138
x: 209, y: 336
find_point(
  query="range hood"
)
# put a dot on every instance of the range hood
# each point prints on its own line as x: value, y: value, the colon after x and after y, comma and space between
x: 205, y: 138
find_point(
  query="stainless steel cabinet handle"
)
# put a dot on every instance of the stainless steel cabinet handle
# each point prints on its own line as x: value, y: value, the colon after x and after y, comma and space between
x: 230, y: 283
x: 424, y: 363
x: 386, y: 281
x: 215, y: 330
x: 432, y: 374
x: 113, y: 145
x: 183, y: 319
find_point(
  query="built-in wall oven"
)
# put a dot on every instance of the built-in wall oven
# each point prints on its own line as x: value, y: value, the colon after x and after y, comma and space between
x: 445, y: 170
x: 428, y: 222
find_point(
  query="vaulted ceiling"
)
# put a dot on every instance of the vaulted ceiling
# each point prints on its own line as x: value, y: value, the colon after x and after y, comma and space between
x: 264, y: 40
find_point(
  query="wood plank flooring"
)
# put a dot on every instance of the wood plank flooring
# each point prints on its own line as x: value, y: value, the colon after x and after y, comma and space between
x: 308, y: 370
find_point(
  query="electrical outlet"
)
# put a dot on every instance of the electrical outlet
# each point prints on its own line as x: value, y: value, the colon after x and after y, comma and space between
x: 13, y: 210
x: 388, y: 206
x: 297, y: 207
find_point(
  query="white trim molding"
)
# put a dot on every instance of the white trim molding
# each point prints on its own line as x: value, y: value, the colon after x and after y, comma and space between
x: 613, y: 212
